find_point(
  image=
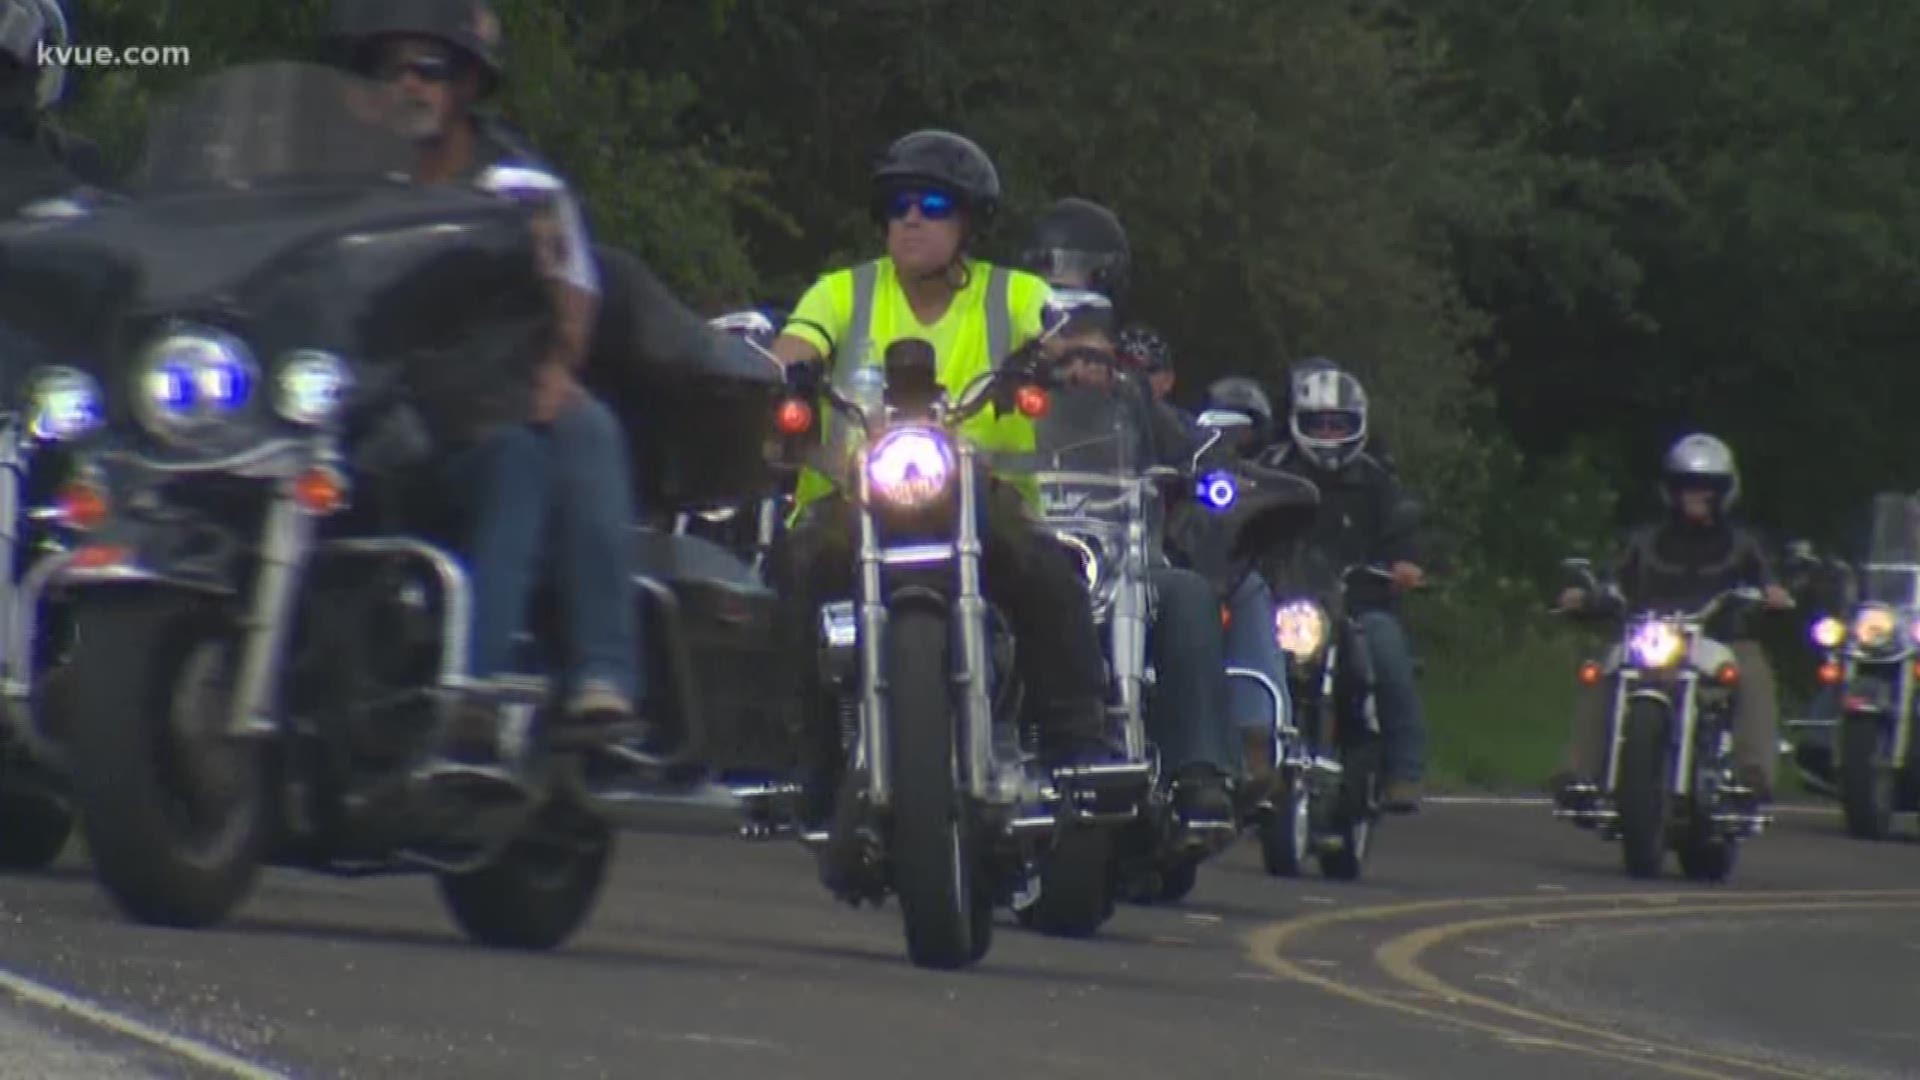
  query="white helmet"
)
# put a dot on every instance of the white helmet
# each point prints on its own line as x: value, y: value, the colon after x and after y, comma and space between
x: 1700, y: 459
x: 1327, y: 413
x: 26, y: 25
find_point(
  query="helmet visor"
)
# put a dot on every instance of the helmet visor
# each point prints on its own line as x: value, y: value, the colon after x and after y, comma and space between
x: 1330, y: 425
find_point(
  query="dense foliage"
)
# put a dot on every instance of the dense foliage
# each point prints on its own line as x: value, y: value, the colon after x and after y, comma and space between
x: 1553, y: 234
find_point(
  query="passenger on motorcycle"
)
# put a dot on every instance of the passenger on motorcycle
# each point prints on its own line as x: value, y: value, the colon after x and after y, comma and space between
x: 565, y: 463
x: 1152, y: 356
x: 1188, y: 716
x: 1696, y: 552
x: 1327, y: 445
x: 934, y: 193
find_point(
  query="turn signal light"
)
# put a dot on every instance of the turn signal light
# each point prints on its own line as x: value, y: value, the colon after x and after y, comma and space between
x: 320, y: 490
x: 1831, y: 673
x: 795, y: 417
x: 1590, y: 673
x: 1032, y: 402
x: 100, y: 556
x: 82, y: 505
x: 1727, y: 675
x: 1226, y: 617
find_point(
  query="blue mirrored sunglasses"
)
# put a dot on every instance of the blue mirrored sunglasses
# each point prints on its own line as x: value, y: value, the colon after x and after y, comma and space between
x: 934, y: 205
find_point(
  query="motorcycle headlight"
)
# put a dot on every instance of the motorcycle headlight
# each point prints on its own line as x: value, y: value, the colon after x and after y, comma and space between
x: 909, y: 467
x: 191, y: 380
x: 1300, y: 629
x: 1874, y: 626
x: 1829, y: 633
x: 1656, y: 643
x: 311, y: 387
x: 63, y: 403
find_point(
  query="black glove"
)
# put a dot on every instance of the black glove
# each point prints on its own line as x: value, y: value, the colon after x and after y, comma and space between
x: 803, y: 378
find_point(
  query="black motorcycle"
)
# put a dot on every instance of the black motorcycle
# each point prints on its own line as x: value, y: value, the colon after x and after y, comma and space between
x: 270, y: 637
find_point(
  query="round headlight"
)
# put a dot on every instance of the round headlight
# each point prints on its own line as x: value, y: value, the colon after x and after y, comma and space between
x: 311, y: 387
x: 1874, y: 626
x: 1300, y: 629
x: 190, y: 380
x: 1657, y: 643
x: 63, y: 403
x: 909, y: 467
x: 1829, y: 633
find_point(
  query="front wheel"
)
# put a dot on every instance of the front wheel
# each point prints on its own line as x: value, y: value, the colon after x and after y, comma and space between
x: 1645, y: 766
x: 1351, y: 839
x: 172, y: 808
x: 1076, y: 891
x: 1867, y: 780
x: 541, y: 889
x: 948, y: 917
x: 1286, y: 831
x: 35, y: 822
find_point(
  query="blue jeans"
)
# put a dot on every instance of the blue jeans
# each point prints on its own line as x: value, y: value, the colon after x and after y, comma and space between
x: 1187, y: 717
x: 1251, y: 644
x: 1403, y: 723
x: 574, y: 473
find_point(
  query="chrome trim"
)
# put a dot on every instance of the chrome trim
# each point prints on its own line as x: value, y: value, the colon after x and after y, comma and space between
x: 916, y: 554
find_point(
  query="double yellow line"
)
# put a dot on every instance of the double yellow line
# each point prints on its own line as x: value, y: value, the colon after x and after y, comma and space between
x: 1399, y: 959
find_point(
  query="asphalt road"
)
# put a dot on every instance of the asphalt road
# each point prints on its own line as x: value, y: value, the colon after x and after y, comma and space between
x: 1486, y: 942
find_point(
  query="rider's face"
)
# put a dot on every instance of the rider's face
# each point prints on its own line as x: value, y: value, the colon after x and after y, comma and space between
x: 923, y: 231
x: 1084, y: 359
x: 427, y: 80
x: 1696, y: 505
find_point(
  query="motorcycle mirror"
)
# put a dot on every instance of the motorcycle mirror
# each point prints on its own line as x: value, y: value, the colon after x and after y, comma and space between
x: 1221, y: 419
x: 1200, y: 453
x: 1066, y: 306
x: 747, y: 324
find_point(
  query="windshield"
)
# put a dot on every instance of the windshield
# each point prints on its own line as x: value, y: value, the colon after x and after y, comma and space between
x: 1088, y: 440
x: 273, y: 122
x: 1890, y: 563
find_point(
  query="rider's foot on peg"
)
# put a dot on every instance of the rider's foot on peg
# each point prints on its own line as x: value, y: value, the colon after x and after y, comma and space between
x: 598, y: 716
x: 1200, y: 794
x: 1402, y: 796
x: 1078, y: 736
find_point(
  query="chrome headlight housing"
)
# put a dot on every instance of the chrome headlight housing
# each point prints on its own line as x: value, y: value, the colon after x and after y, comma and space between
x: 311, y: 387
x: 63, y: 403
x: 1876, y: 628
x: 1656, y: 643
x: 191, y: 381
x: 1301, y: 629
x: 909, y: 468
x: 1101, y: 576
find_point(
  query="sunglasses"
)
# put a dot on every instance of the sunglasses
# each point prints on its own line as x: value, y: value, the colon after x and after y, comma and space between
x: 431, y: 69
x: 933, y: 205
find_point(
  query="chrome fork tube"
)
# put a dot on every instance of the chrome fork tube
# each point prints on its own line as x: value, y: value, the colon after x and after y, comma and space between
x: 1688, y: 713
x: 970, y: 607
x: 289, y: 536
x: 874, y: 716
x: 1617, y: 729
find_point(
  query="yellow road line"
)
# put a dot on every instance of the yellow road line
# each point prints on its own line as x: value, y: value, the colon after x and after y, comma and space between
x: 1400, y: 959
x: 1267, y: 944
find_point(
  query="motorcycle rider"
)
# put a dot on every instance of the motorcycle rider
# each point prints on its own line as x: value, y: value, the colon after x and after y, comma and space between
x: 566, y: 461
x: 38, y: 159
x: 1149, y: 352
x: 1187, y: 720
x: 934, y: 193
x: 1079, y: 244
x: 1359, y: 522
x: 1693, y: 554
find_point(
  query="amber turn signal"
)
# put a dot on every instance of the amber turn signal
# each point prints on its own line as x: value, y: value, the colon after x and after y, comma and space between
x: 1032, y: 402
x: 82, y: 505
x: 1590, y: 673
x: 100, y: 556
x: 320, y: 490
x: 795, y: 417
x: 1727, y: 675
x: 1831, y: 673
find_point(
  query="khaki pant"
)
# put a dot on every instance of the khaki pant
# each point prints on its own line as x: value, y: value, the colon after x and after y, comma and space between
x: 1756, y: 712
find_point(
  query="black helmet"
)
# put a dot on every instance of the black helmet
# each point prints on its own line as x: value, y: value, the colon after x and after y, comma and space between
x: 1241, y: 394
x: 1077, y: 237
x: 471, y: 26
x: 943, y: 159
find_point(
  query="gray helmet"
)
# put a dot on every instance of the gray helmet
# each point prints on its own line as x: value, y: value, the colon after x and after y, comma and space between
x: 1698, y: 460
x: 470, y: 26
x: 25, y: 25
x: 1079, y: 237
x: 942, y: 159
x: 1326, y: 413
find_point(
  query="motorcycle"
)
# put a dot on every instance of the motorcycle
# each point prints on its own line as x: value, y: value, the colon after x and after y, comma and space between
x: 944, y: 804
x: 1669, y: 781
x: 270, y: 641
x: 1295, y: 816
x: 746, y: 527
x: 1870, y: 660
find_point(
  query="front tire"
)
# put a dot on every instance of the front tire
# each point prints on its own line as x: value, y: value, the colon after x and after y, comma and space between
x: 1645, y: 766
x: 1357, y: 813
x: 1867, y: 780
x: 172, y: 808
x: 541, y: 889
x: 1286, y: 831
x: 948, y: 919
x: 1076, y: 893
